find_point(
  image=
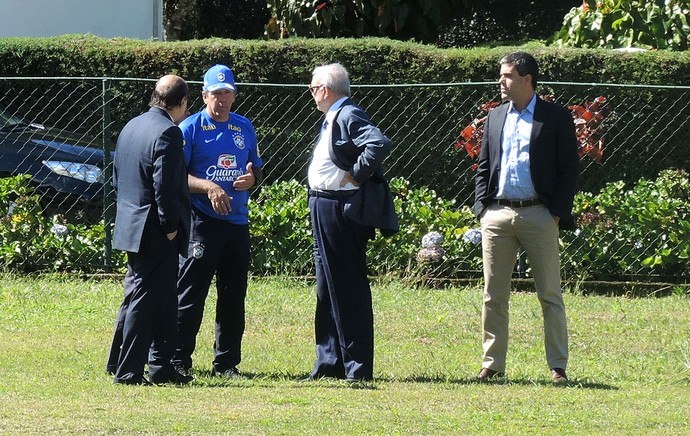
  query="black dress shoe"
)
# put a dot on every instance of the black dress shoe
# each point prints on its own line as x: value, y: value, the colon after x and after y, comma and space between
x: 311, y: 378
x: 358, y: 380
x: 558, y: 375
x: 487, y: 374
x: 319, y: 376
x: 132, y: 381
x: 307, y: 379
x: 172, y: 377
x: 232, y: 373
x: 182, y: 370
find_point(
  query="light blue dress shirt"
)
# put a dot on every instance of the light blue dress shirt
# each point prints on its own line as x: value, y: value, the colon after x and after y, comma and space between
x: 515, y: 181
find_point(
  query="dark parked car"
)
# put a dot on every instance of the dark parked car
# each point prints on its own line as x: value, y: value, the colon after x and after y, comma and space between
x: 65, y: 168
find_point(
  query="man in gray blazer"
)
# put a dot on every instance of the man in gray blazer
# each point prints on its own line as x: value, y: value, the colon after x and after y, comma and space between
x: 152, y: 226
x: 348, y: 155
x: 525, y: 185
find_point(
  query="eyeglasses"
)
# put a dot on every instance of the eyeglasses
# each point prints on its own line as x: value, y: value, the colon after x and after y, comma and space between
x: 315, y: 88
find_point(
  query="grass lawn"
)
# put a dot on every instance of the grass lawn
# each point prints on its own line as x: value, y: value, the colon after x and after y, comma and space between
x: 629, y: 367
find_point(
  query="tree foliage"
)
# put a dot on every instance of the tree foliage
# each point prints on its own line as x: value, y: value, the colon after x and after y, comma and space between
x: 505, y: 21
x: 196, y: 19
x: 397, y: 19
x: 657, y: 24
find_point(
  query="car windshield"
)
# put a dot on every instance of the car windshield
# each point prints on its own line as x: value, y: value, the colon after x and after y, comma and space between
x: 9, y: 121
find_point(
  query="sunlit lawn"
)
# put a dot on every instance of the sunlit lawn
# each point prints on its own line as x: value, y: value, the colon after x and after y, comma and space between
x: 629, y: 368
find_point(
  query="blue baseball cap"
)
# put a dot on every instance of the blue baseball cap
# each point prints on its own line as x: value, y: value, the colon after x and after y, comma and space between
x: 219, y: 77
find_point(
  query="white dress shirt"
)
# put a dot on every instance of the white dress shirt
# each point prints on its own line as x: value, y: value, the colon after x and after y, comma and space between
x: 323, y: 174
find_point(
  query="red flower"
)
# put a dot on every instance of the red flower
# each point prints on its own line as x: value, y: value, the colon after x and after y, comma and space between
x: 322, y: 5
x: 588, y: 118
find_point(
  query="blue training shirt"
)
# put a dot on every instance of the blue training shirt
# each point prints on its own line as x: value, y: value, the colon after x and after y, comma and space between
x: 220, y: 151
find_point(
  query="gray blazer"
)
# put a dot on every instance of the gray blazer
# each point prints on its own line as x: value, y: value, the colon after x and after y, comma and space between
x: 150, y: 180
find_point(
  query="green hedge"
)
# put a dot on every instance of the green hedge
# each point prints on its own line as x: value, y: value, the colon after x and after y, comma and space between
x: 370, y: 60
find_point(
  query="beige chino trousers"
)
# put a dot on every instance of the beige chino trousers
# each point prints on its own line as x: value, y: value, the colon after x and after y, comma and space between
x: 504, y: 230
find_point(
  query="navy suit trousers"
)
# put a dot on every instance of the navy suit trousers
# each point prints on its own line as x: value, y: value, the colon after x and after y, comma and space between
x: 344, y: 320
x: 148, y: 311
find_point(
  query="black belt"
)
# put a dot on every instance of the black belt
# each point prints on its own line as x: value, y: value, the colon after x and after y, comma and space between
x: 333, y: 195
x: 519, y: 203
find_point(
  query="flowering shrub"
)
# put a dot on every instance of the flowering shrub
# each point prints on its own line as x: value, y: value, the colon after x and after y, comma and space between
x: 282, y: 241
x: 471, y: 136
x: 431, y: 250
x: 587, y: 116
x: 31, y: 241
x: 624, y: 233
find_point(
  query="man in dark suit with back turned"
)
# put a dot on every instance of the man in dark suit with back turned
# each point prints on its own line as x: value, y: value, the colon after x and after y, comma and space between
x: 152, y: 226
x: 348, y: 155
x: 525, y: 184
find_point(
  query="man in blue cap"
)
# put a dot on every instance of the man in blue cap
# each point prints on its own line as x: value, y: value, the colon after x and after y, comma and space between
x: 223, y: 163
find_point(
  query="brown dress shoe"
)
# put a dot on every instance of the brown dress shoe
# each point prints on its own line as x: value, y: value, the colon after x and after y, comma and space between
x: 558, y: 375
x: 488, y: 373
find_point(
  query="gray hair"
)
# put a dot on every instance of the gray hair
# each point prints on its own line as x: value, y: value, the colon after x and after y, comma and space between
x: 333, y: 76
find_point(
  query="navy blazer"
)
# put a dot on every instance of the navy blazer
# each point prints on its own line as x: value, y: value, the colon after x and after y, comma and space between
x: 358, y: 146
x: 150, y: 180
x: 553, y: 159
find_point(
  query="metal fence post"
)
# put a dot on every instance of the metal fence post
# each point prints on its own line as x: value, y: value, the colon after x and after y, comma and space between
x: 108, y: 192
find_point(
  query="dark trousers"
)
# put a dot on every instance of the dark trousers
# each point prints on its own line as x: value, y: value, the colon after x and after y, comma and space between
x: 344, y: 319
x: 220, y: 248
x: 145, y: 328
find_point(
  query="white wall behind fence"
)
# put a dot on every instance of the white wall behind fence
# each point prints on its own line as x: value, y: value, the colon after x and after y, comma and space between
x: 140, y: 19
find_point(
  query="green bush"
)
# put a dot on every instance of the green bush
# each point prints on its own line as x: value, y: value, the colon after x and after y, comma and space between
x: 637, y: 233
x: 421, y: 211
x: 423, y: 122
x: 31, y: 241
x: 632, y: 233
x: 281, y: 230
x: 659, y: 24
x: 282, y: 239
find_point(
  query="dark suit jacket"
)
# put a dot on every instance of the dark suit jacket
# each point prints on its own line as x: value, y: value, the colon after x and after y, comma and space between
x: 150, y: 180
x: 554, y: 162
x: 358, y: 146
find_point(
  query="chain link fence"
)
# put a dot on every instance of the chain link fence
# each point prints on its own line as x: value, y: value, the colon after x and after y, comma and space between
x: 631, y: 133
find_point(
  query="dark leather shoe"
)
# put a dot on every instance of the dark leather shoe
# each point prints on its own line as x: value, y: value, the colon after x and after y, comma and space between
x: 232, y: 373
x: 172, y: 377
x: 307, y: 379
x: 358, y: 380
x: 132, y: 381
x: 311, y: 378
x: 487, y: 374
x: 558, y: 375
x: 182, y: 370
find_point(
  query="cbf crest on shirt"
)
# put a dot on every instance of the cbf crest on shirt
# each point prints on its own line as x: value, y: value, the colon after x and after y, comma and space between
x: 220, y: 151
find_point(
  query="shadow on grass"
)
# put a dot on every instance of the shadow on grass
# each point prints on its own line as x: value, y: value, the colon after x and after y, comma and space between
x: 204, y: 378
x: 572, y: 383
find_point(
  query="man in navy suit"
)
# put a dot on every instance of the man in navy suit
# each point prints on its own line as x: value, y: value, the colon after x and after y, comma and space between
x: 525, y: 185
x: 348, y: 154
x: 152, y: 226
